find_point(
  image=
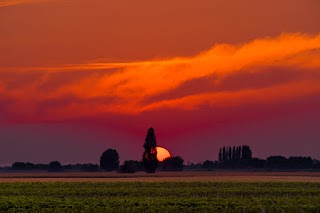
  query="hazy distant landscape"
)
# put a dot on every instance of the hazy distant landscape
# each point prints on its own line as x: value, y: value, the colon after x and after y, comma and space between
x: 236, y: 158
x: 160, y: 182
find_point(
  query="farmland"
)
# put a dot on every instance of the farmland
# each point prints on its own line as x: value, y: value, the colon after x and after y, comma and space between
x: 163, y: 192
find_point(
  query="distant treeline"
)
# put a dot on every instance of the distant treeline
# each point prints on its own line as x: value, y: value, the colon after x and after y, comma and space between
x: 240, y: 157
x: 271, y: 163
x: 236, y: 157
x: 54, y: 166
x: 129, y: 166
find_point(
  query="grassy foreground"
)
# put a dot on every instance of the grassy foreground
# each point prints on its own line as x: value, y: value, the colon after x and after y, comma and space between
x: 160, y: 197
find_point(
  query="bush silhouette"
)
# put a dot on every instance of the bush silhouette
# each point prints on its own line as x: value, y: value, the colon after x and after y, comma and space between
x: 55, y: 166
x: 173, y: 164
x: 128, y: 167
x: 208, y: 165
x: 109, y: 160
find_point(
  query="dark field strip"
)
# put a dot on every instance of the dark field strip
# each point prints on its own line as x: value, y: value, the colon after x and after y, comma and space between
x: 160, y: 197
x: 200, y: 176
x: 184, y: 174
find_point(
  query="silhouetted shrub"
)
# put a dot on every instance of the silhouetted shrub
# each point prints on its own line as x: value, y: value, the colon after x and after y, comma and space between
x: 208, y: 165
x: 173, y: 164
x: 277, y: 162
x: 55, y: 166
x: 128, y: 167
x: 18, y: 166
x: 109, y: 160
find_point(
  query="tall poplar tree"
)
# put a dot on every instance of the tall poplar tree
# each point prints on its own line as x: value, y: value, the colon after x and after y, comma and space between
x: 220, y: 155
x: 233, y: 152
x: 230, y: 153
x: 149, y: 157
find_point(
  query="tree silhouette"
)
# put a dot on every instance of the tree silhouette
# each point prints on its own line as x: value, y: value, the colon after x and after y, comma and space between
x: 109, y: 160
x: 234, y: 152
x: 220, y: 155
x: 55, y: 166
x: 239, y: 157
x: 237, y: 154
x: 224, y: 154
x: 18, y: 166
x: 173, y: 164
x: 208, y: 164
x: 129, y: 166
x: 149, y: 157
x: 246, y: 152
x: 277, y: 162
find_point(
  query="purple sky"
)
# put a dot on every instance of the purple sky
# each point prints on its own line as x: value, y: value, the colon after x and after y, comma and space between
x: 79, y: 77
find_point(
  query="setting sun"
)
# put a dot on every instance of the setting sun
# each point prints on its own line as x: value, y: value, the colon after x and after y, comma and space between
x: 162, y: 153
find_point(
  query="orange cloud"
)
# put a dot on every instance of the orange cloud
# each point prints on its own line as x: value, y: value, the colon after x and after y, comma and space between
x: 236, y: 98
x: 267, y: 70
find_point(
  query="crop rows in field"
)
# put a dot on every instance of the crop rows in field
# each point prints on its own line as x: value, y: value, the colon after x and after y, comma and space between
x: 160, y: 197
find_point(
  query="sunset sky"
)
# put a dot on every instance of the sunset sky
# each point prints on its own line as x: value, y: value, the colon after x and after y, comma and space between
x: 79, y: 76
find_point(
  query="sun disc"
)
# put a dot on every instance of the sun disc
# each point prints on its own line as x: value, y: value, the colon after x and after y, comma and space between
x: 162, y: 153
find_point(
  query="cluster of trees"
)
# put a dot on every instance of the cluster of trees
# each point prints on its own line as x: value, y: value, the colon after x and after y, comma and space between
x: 241, y: 158
x: 236, y: 157
x: 109, y: 160
x: 173, y: 164
x: 234, y: 153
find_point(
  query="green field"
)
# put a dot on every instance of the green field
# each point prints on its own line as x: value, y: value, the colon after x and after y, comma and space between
x: 160, y: 196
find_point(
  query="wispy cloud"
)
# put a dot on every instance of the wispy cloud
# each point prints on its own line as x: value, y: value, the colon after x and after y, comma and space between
x: 6, y: 3
x: 266, y: 70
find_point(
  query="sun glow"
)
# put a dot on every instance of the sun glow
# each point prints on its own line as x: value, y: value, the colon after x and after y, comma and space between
x: 162, y: 153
